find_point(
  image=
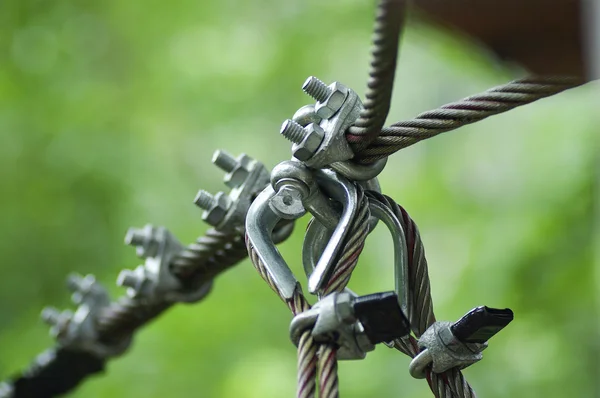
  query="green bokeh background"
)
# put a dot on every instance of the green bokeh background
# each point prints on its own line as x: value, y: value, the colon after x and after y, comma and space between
x: 110, y: 111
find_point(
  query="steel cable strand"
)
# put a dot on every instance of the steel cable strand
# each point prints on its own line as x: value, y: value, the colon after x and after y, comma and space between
x: 123, y: 317
x: 197, y: 253
x: 447, y: 384
x: 307, y: 348
x: 324, y: 360
x: 345, y: 264
x: 389, y: 22
x: 466, y: 111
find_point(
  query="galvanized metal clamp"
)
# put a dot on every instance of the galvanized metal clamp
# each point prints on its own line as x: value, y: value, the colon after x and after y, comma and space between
x: 153, y: 279
x: 246, y: 177
x: 446, y: 345
x: 355, y: 324
x: 77, y: 330
x: 318, y: 131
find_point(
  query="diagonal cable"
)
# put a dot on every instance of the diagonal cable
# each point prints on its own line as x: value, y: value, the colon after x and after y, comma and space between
x: 466, y: 111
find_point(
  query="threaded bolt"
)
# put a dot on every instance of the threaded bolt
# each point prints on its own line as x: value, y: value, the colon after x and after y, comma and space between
x: 316, y: 89
x: 127, y: 278
x: 293, y: 131
x: 74, y: 282
x: 224, y: 161
x: 50, y: 316
x: 135, y: 237
x: 204, y: 200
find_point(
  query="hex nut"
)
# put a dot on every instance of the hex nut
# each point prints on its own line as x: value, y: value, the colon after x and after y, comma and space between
x: 311, y: 142
x: 216, y: 213
x: 343, y: 304
x: 238, y: 175
x: 334, y: 101
x: 288, y: 203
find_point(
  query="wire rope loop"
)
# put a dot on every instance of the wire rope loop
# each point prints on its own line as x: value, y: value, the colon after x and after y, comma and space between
x: 359, y: 172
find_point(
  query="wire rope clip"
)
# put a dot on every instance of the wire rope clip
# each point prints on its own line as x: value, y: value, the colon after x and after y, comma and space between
x: 246, y: 177
x: 153, y: 280
x: 318, y: 132
x: 77, y: 330
x: 354, y: 324
x: 446, y: 345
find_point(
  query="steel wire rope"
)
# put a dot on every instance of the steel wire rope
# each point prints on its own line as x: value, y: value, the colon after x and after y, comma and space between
x: 447, y: 384
x: 199, y: 262
x: 316, y: 358
x: 466, y: 111
x: 389, y: 21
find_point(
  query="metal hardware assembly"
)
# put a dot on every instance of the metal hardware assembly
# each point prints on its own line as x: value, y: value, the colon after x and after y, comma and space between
x: 154, y: 279
x: 332, y: 320
x: 447, y: 345
x: 317, y: 233
x: 77, y: 330
x: 246, y: 177
x: 340, y: 145
x: 355, y: 324
x: 323, y: 141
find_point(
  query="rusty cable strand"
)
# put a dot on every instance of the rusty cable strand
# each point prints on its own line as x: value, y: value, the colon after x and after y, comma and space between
x: 316, y: 358
x: 197, y: 264
x: 447, y: 384
x: 466, y: 111
x: 389, y: 22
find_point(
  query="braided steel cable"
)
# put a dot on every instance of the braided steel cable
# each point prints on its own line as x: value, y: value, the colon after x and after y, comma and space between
x: 345, y: 264
x: 122, y: 317
x: 386, y: 36
x: 197, y: 253
x: 351, y: 247
x: 308, y: 349
x: 466, y: 111
x: 198, y: 263
x: 447, y: 384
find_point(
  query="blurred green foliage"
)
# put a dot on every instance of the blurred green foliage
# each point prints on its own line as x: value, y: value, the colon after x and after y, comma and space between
x: 110, y: 111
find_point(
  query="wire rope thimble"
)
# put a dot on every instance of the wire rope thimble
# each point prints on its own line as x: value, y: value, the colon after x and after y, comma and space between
x: 313, y: 251
x: 446, y: 345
